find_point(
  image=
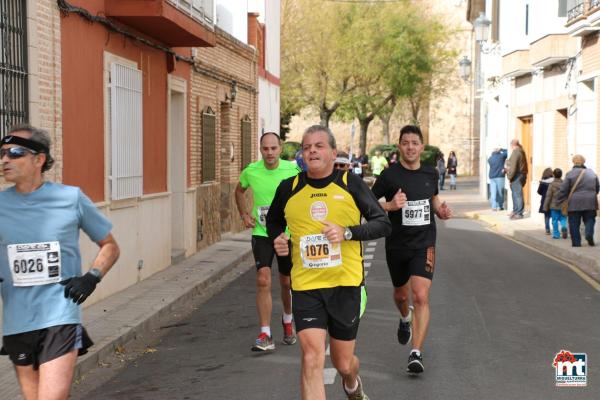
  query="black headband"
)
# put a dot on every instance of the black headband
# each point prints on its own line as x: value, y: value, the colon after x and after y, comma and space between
x: 30, y: 144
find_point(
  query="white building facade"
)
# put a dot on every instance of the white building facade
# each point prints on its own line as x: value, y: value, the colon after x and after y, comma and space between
x: 529, y: 89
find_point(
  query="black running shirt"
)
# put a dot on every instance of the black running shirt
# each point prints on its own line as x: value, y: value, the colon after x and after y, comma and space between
x: 413, y: 227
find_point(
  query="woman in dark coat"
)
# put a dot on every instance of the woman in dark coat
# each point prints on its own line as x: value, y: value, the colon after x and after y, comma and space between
x: 545, y: 182
x: 451, y: 169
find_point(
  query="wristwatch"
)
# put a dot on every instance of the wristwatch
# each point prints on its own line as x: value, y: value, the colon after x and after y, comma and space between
x: 347, y: 234
x: 96, y: 272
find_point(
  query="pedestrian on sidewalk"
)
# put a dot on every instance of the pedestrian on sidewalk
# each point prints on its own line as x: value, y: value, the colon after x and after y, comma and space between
x: 441, y: 167
x: 554, y: 207
x: 545, y: 181
x: 40, y: 266
x: 496, y: 174
x: 451, y: 169
x: 517, y: 176
x: 262, y: 178
x: 580, y: 190
x: 323, y: 208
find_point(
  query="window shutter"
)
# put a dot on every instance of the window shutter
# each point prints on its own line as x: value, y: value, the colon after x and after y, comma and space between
x: 126, y: 132
x: 209, y: 144
x: 14, y: 101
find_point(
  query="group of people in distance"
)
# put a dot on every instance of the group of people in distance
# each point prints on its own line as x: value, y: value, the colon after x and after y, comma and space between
x: 566, y: 203
x: 314, y: 221
x: 570, y: 202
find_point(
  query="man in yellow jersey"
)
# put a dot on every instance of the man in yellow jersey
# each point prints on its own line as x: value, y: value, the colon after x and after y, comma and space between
x: 263, y: 177
x: 322, y: 208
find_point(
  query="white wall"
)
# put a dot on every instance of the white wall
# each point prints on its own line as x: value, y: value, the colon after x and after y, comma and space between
x: 270, y: 15
x: 544, y: 19
x: 232, y: 17
x: 587, y: 117
x: 512, y: 26
x: 268, y: 106
x: 268, y: 92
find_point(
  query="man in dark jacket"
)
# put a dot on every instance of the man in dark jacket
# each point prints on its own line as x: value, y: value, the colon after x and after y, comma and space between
x: 497, y: 172
x: 517, y: 176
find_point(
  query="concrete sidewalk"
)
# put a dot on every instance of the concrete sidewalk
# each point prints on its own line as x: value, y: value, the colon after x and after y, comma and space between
x: 151, y: 303
x: 466, y: 202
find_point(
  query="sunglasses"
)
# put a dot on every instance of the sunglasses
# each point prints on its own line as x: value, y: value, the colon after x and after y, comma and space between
x: 15, y: 152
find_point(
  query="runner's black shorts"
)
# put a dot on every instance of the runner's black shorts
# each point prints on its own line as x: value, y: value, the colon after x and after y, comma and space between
x: 263, y: 250
x: 43, y: 345
x: 404, y: 263
x: 336, y: 310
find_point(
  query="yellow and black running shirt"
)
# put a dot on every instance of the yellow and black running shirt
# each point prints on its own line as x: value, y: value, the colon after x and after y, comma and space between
x: 303, y: 204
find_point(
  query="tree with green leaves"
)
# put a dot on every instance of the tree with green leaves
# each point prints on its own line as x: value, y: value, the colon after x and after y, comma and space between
x: 314, y: 53
x: 357, y: 60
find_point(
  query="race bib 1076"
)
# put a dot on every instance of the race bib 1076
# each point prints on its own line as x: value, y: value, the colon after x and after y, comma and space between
x: 317, y: 251
x: 33, y: 264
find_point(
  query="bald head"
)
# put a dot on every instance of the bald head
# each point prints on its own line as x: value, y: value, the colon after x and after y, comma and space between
x: 514, y: 143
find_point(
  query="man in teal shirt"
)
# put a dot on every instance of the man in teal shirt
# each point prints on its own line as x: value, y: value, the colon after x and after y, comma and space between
x: 263, y: 177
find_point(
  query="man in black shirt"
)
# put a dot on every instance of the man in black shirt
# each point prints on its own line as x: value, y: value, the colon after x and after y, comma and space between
x: 411, y: 192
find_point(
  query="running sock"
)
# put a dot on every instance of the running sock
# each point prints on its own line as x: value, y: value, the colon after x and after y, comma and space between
x: 416, y: 351
x: 407, y: 318
x: 266, y: 329
x: 351, y: 390
x: 287, y: 318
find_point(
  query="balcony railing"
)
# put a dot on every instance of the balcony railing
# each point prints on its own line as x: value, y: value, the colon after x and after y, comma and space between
x: 576, y: 12
x: 200, y: 10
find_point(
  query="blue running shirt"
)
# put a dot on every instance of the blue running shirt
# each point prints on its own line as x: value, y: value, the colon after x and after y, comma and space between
x: 52, y: 213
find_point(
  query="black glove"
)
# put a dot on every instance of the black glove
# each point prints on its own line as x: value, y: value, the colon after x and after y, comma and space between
x: 80, y: 287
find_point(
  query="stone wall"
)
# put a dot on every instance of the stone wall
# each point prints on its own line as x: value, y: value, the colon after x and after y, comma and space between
x: 216, y: 68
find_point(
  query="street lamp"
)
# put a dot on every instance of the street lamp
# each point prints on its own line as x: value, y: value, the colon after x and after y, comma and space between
x: 482, y: 27
x: 465, y: 68
x: 482, y: 32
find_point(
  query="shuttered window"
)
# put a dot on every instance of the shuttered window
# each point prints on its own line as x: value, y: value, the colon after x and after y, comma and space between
x: 246, y: 141
x: 209, y: 145
x: 126, y: 132
x: 13, y: 64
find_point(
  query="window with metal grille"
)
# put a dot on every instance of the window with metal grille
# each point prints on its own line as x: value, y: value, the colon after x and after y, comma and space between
x: 209, y: 145
x: 13, y: 64
x: 126, y: 132
x: 246, y: 141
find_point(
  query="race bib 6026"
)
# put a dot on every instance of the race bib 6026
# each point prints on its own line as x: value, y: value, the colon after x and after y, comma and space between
x: 33, y: 264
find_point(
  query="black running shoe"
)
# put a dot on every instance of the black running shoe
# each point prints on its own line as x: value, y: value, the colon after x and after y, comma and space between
x: 404, y: 328
x: 415, y: 363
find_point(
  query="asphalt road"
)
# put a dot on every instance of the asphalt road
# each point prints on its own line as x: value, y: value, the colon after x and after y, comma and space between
x: 500, y: 312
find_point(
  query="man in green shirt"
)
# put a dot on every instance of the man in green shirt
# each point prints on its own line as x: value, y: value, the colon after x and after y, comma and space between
x: 263, y: 177
x: 378, y: 163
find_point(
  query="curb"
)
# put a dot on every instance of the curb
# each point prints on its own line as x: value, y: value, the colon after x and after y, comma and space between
x: 588, y: 265
x: 153, y: 320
